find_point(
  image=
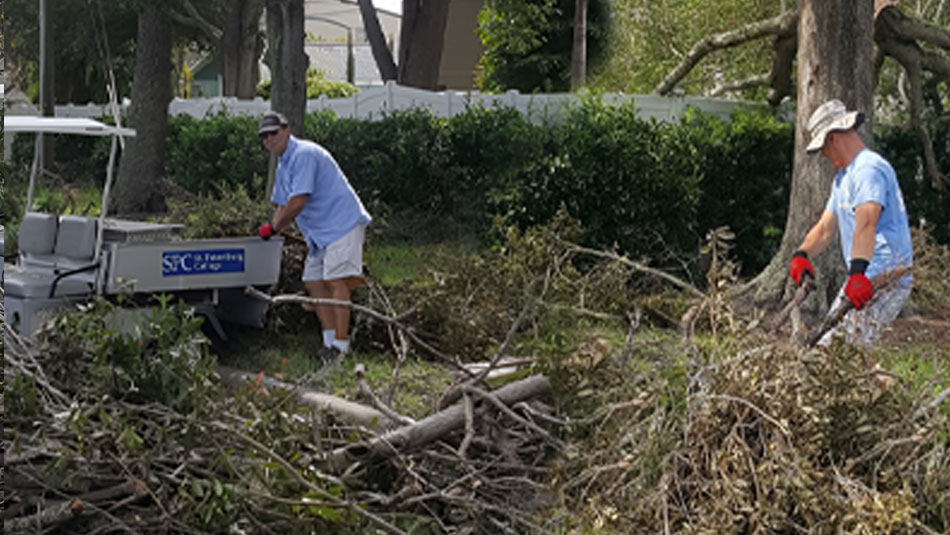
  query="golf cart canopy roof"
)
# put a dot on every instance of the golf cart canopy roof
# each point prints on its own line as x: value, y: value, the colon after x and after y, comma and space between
x: 62, y: 125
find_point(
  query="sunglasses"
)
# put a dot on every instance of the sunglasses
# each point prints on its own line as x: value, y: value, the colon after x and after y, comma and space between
x: 266, y: 135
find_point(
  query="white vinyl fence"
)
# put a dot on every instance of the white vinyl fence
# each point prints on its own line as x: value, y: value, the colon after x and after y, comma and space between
x: 376, y: 101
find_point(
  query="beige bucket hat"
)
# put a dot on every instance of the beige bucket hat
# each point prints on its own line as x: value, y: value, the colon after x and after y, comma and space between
x: 829, y: 117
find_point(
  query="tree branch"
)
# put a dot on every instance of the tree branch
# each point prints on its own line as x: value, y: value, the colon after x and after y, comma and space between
x: 780, y: 25
x: 194, y: 19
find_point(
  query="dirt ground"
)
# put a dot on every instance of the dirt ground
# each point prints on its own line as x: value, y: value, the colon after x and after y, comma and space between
x: 918, y: 329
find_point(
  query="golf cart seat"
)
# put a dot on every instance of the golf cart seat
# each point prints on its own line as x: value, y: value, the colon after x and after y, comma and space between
x: 56, y: 257
x: 37, y: 238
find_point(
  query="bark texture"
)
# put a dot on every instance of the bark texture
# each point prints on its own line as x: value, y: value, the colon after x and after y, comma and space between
x: 241, y: 46
x: 143, y: 160
x: 420, y: 42
x: 287, y: 61
x: 579, y: 50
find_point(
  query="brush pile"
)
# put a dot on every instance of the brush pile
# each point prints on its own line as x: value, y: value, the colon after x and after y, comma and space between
x: 644, y: 431
x: 757, y: 438
x: 114, y: 432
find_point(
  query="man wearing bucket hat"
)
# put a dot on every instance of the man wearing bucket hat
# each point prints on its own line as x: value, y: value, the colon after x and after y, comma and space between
x: 311, y: 188
x: 867, y: 209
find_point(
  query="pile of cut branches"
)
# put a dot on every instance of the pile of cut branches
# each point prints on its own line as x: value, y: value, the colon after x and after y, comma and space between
x: 102, y: 439
x: 757, y: 437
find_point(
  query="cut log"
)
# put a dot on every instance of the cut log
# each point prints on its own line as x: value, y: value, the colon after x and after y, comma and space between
x: 346, y: 410
x: 429, y: 429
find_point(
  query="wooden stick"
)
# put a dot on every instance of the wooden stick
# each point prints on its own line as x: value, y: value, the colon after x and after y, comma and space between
x: 879, y: 283
x: 428, y: 429
x: 344, y: 409
x: 800, y: 294
x: 365, y: 390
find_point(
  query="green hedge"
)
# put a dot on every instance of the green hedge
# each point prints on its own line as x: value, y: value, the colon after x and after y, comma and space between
x: 924, y: 202
x: 652, y: 189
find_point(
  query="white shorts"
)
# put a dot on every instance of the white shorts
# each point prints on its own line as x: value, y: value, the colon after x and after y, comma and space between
x: 342, y: 258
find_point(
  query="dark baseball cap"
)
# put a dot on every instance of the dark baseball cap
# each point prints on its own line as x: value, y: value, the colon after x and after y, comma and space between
x: 271, y: 122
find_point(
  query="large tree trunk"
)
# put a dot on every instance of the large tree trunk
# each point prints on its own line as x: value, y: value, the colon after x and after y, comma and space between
x: 47, y: 94
x: 835, y: 49
x: 377, y: 41
x: 241, y: 48
x: 579, y: 50
x: 143, y: 160
x: 287, y: 60
x: 420, y: 42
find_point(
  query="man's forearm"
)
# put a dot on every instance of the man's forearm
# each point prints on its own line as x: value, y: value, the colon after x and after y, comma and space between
x: 865, y: 223
x: 819, y: 236
x: 285, y: 214
x: 862, y: 244
x: 281, y: 221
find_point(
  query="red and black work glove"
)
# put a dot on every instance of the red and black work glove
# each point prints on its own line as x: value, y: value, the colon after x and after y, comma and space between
x: 800, y: 266
x: 858, y: 289
x: 265, y: 231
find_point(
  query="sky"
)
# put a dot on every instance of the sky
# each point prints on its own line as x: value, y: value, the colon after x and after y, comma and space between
x: 389, y: 5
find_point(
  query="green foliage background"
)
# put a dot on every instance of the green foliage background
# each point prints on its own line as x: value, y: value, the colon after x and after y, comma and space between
x: 317, y: 86
x: 651, y: 189
x: 648, y: 39
x: 528, y: 43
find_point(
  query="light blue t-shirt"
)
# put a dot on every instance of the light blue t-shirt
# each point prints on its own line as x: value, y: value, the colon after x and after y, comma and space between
x: 332, y: 208
x: 869, y: 178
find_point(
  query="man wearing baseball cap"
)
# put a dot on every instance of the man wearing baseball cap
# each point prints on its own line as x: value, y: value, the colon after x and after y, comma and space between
x: 867, y: 209
x: 311, y: 188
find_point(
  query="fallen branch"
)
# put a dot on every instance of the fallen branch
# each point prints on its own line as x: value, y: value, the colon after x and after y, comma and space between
x: 366, y: 391
x: 879, y: 283
x: 346, y: 410
x: 389, y: 320
x: 679, y: 283
x: 800, y: 294
x: 934, y: 403
x: 428, y: 429
x: 337, y: 502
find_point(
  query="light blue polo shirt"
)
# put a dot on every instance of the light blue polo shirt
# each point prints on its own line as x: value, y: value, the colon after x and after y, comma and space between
x: 332, y: 208
x: 870, y: 178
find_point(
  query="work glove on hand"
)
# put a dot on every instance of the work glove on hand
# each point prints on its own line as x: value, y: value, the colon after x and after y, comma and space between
x: 800, y: 266
x: 858, y: 289
x: 265, y: 231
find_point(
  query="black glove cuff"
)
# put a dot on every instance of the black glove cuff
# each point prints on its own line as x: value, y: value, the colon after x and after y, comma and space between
x: 801, y: 253
x: 858, y: 266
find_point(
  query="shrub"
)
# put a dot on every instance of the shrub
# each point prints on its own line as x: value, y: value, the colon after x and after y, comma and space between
x: 488, y: 150
x: 614, y: 173
x: 399, y: 159
x: 205, y: 155
x: 746, y: 169
x: 317, y: 85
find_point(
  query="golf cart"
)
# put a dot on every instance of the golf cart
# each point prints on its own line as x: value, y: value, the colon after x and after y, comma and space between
x: 67, y: 259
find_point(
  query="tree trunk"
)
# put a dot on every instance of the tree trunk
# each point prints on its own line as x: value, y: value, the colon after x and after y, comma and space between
x: 579, y: 51
x: 377, y: 41
x: 835, y: 49
x: 47, y: 94
x: 143, y: 160
x: 241, y: 47
x: 420, y: 42
x: 287, y: 61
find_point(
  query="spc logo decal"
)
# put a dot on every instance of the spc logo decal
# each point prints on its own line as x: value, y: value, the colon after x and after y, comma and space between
x: 202, y: 262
